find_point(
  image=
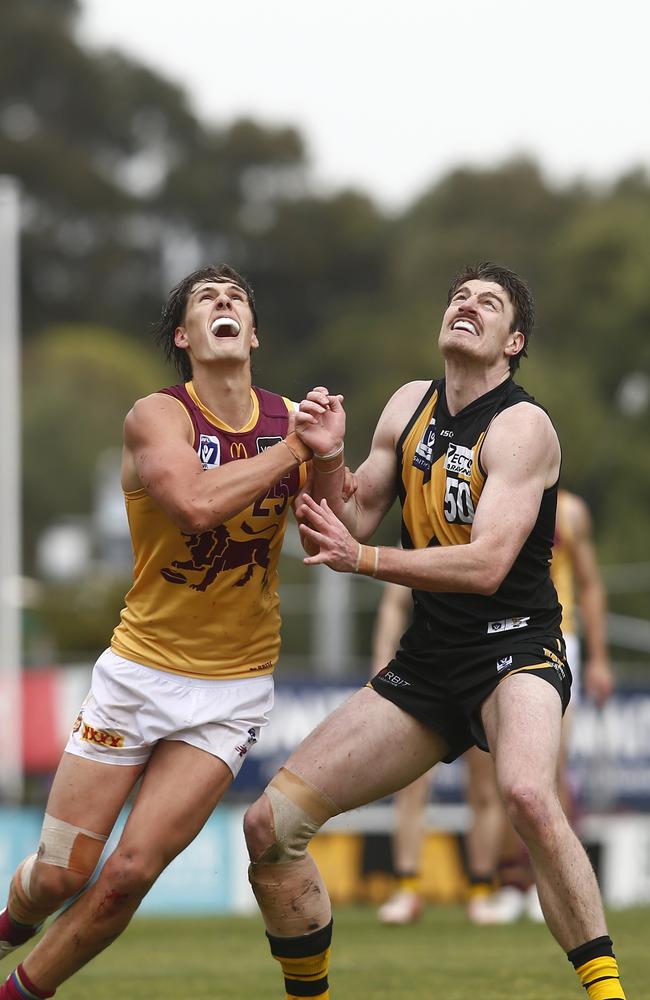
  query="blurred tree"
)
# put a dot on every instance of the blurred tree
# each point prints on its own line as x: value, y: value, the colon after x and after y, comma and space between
x: 79, y: 383
x: 601, y: 301
x: 81, y: 131
x: 321, y: 260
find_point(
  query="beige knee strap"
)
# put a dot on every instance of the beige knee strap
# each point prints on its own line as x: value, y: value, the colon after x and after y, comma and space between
x: 299, y: 810
x: 68, y: 846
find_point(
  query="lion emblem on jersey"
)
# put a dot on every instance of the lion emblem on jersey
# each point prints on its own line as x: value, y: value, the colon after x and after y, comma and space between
x: 214, y: 552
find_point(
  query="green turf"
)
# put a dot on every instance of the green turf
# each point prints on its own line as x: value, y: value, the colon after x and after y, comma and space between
x: 442, y: 958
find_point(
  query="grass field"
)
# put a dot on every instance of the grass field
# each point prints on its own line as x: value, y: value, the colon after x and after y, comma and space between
x: 442, y: 958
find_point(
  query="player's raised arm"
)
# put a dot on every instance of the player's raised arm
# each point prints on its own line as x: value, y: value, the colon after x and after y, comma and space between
x: 521, y: 457
x: 321, y: 424
x: 159, y: 456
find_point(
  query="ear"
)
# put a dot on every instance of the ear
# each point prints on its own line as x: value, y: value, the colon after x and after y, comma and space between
x: 254, y: 339
x: 515, y: 344
x: 180, y: 337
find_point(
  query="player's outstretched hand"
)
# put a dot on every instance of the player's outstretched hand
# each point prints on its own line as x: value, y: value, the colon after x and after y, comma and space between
x: 322, y: 529
x: 320, y: 421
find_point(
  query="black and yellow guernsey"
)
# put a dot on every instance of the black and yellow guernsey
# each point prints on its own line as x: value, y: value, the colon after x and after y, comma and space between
x: 441, y: 482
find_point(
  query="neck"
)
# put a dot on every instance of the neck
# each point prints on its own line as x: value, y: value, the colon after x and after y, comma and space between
x: 227, y: 394
x: 464, y: 383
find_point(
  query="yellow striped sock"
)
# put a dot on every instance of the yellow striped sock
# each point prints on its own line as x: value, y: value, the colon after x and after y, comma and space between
x: 600, y: 978
x: 409, y: 883
x: 305, y: 963
x: 306, y: 974
x: 481, y: 888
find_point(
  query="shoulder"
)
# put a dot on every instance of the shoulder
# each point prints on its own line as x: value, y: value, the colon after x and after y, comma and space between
x: 274, y: 403
x: 156, y: 411
x: 522, y: 432
x: 405, y: 400
x: 399, y: 409
x: 523, y: 420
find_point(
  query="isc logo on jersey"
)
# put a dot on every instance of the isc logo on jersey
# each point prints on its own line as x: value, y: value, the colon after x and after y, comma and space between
x: 424, y: 451
x: 209, y: 451
x: 459, y: 460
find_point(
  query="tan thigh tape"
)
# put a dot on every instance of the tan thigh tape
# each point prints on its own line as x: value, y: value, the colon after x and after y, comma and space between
x: 68, y: 846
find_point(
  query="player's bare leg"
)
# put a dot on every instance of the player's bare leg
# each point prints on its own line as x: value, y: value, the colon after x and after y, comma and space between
x: 522, y: 719
x: 76, y: 826
x: 180, y: 788
x: 366, y: 749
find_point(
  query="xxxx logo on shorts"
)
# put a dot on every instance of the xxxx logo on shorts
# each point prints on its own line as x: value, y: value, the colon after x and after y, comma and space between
x: 103, y: 737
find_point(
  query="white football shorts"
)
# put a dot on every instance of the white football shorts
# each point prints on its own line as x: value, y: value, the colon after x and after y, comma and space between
x: 130, y: 708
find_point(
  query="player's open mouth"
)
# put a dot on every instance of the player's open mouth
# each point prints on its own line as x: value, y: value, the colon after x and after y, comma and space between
x: 224, y: 326
x: 465, y: 324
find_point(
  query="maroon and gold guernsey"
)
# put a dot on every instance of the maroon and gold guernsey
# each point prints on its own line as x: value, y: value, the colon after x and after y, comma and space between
x: 207, y: 605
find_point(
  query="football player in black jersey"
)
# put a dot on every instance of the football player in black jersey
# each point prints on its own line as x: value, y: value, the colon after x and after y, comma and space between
x: 475, y: 461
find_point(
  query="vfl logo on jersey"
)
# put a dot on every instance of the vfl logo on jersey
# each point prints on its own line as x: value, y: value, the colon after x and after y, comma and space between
x: 504, y: 664
x: 243, y: 748
x: 424, y: 451
x: 459, y: 460
x: 507, y: 625
x: 209, y: 451
x: 238, y: 449
x: 266, y: 442
x: 214, y: 552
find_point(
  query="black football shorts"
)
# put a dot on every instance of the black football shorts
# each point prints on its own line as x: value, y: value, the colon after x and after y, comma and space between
x: 445, y: 689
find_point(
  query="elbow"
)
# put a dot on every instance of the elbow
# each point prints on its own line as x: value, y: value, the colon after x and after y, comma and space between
x: 194, y: 519
x: 489, y: 579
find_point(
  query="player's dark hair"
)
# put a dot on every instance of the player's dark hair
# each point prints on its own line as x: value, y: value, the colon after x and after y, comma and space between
x: 517, y: 290
x: 173, y: 312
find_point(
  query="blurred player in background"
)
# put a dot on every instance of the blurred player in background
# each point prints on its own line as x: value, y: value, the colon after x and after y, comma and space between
x: 491, y: 842
x: 210, y: 470
x: 475, y: 462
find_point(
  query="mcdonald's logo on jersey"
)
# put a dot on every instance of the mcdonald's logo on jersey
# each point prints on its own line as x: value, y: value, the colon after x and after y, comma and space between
x: 238, y: 449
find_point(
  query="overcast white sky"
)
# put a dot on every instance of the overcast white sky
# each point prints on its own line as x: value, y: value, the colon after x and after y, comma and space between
x: 390, y: 95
